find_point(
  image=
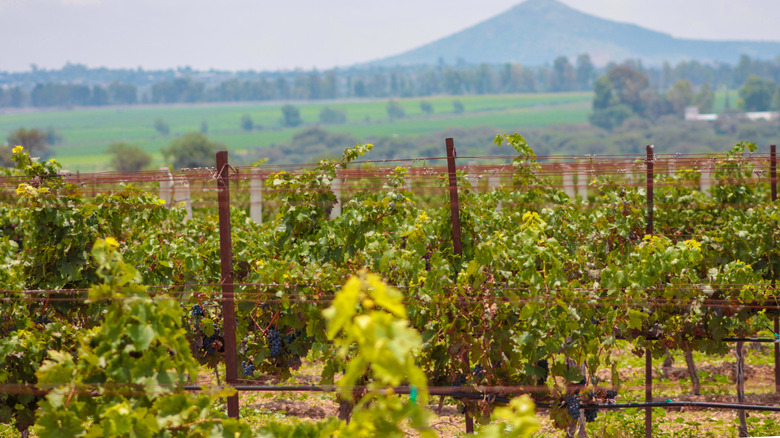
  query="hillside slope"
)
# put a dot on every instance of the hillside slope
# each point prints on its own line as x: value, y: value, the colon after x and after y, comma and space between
x: 536, y: 31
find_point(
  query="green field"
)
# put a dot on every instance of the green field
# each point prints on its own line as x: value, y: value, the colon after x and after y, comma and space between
x: 88, y: 132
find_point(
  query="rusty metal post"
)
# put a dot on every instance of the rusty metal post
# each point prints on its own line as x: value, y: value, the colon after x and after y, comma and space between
x: 456, y: 242
x: 226, y: 280
x: 648, y: 351
x: 454, y: 203
x: 773, y: 171
x: 649, y: 163
x: 773, y: 188
x: 740, y: 353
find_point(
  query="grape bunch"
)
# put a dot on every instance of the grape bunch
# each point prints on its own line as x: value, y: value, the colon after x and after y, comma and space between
x: 197, y: 312
x: 545, y: 372
x: 249, y: 368
x: 42, y: 320
x: 274, y: 339
x: 611, y: 394
x: 573, y: 405
x: 478, y: 371
x: 460, y: 380
x: 212, y: 344
x: 289, y: 339
x: 590, y: 413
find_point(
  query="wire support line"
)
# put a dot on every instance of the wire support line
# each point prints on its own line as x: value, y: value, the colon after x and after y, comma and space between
x: 458, y: 392
x: 422, y: 302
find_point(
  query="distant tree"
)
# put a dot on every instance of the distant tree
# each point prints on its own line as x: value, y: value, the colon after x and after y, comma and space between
x: 756, y: 94
x: 452, y: 81
x: 34, y: 140
x: 625, y: 88
x: 162, y: 127
x: 99, y: 96
x: 204, y: 127
x: 563, y: 76
x: 457, y: 107
x: 426, y: 107
x: 360, y: 88
x: 6, y: 152
x: 53, y: 138
x: 122, y: 94
x: 395, y: 110
x: 193, y: 149
x: 611, y: 117
x: 79, y: 95
x: 14, y: 97
x: 128, y: 158
x: 704, y: 99
x: 49, y: 94
x: 629, y: 83
x: 330, y: 85
x: 513, y: 78
x: 178, y: 90
x: 291, y: 116
x: 584, y: 71
x: 247, y: 124
x: 330, y: 115
x: 681, y: 96
x: 483, y: 79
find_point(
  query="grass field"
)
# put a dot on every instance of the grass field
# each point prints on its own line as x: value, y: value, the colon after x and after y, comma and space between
x: 88, y: 132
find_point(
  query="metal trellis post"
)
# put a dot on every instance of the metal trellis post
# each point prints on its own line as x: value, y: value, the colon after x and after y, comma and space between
x: 648, y: 352
x: 226, y: 280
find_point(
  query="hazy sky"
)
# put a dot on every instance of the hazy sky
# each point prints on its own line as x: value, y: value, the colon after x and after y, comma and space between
x: 287, y: 34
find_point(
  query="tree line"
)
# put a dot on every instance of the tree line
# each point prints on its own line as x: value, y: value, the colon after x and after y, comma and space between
x: 76, y: 86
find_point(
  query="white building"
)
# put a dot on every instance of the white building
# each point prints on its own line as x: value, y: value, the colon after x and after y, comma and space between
x: 692, y: 113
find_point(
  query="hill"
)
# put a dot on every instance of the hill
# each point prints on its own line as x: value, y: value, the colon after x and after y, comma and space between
x: 536, y: 31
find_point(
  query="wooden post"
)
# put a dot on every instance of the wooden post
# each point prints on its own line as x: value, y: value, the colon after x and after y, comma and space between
x: 335, y: 186
x: 568, y: 181
x: 494, y: 182
x: 454, y: 203
x: 740, y: 353
x: 648, y: 352
x: 773, y: 189
x: 582, y: 181
x: 455, y: 211
x: 705, y: 180
x: 226, y: 280
x: 166, y: 186
x: 473, y: 177
x: 181, y: 193
x: 256, y: 196
x: 650, y: 183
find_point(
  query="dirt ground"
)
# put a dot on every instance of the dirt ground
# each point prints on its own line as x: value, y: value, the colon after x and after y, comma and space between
x: 717, y: 376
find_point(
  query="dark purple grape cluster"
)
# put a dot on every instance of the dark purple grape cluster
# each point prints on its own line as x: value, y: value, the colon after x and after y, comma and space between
x: 460, y: 380
x: 249, y: 368
x: 42, y: 320
x: 211, y: 344
x: 573, y: 405
x: 274, y: 339
x: 545, y: 371
x: 197, y: 311
x: 590, y: 413
x: 611, y: 394
x: 290, y: 338
x: 478, y: 371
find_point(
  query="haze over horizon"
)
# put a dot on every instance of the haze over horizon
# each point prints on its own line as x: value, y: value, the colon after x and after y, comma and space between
x: 244, y: 35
